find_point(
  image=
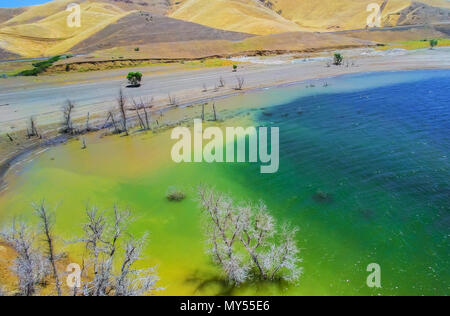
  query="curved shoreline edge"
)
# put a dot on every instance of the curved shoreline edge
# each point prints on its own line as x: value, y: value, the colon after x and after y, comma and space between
x: 21, y: 155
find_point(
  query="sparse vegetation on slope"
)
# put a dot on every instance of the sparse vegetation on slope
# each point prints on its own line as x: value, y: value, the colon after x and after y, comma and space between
x: 42, y: 30
x: 40, y: 67
x: 247, y: 16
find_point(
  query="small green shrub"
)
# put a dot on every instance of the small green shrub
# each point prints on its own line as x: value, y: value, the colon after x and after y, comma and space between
x: 134, y: 78
x: 338, y: 59
x: 433, y: 43
x: 175, y: 195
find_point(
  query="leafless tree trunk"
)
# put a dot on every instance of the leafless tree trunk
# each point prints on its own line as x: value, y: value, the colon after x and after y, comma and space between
x: 10, y: 138
x: 32, y: 131
x: 134, y: 282
x: 113, y: 121
x: 147, y: 119
x: 240, y: 83
x: 147, y: 104
x: 121, y: 100
x: 67, y: 127
x: 214, y: 111
x: 46, y: 225
x: 221, y: 83
x: 172, y: 100
x: 203, y: 111
x: 30, y: 265
x: 88, y: 129
x: 102, y: 240
x: 137, y: 106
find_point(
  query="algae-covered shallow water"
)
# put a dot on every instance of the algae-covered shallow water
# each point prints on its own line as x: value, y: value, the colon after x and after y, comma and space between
x: 364, y: 173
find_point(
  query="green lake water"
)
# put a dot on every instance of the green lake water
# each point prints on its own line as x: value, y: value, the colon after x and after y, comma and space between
x: 364, y: 173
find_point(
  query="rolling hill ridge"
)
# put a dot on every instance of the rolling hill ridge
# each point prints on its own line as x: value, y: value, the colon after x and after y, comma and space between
x: 42, y: 30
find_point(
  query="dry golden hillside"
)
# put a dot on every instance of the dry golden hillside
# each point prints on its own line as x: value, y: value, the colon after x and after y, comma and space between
x: 51, y: 35
x: 42, y: 30
x: 248, y: 16
x: 332, y: 15
x: 195, y: 49
x: 324, y: 15
x: 7, y: 14
x: 35, y: 13
x: 257, y: 16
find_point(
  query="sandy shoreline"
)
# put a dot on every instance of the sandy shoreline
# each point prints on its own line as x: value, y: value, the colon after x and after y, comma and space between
x: 257, y: 77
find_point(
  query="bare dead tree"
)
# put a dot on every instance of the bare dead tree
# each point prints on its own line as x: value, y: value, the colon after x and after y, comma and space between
x: 113, y: 270
x: 110, y: 116
x: 203, y: 111
x: 121, y: 100
x: 132, y: 282
x: 10, y: 138
x: 223, y: 228
x: 93, y: 232
x: 137, y: 106
x: 245, y: 241
x: 88, y: 128
x: 102, y: 239
x: 205, y: 88
x: 172, y: 100
x: 32, y: 130
x: 161, y: 116
x: 67, y: 126
x: 30, y: 266
x: 46, y: 220
x: 147, y: 104
x: 221, y: 83
x: 214, y: 111
x: 240, y: 83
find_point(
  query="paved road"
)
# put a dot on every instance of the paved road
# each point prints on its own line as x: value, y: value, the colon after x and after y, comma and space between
x: 96, y: 92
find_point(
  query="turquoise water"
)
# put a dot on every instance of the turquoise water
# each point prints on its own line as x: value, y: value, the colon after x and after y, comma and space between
x: 365, y: 175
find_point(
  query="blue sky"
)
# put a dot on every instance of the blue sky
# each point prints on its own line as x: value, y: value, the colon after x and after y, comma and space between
x: 20, y: 3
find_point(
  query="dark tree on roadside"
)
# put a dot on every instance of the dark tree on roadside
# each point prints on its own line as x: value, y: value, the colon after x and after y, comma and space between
x: 433, y: 43
x: 338, y: 59
x: 134, y: 79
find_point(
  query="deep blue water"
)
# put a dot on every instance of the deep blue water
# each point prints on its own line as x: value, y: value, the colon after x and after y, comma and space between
x: 365, y: 175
